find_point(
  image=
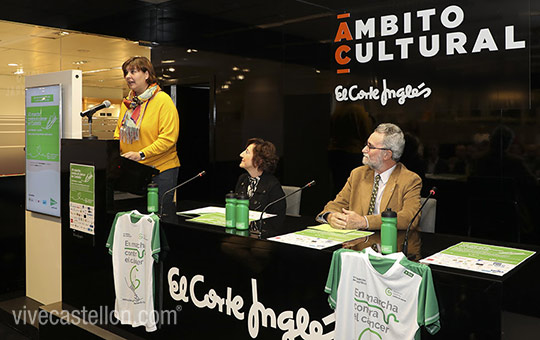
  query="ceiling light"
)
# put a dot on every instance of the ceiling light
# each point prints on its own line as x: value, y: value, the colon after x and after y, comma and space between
x: 317, y: 71
x: 225, y: 87
x: 80, y: 62
x: 246, y: 70
x: 148, y: 43
x: 192, y: 50
x: 12, y: 64
x: 102, y: 70
x: 235, y: 68
x: 170, y: 61
x: 19, y: 71
x: 171, y: 69
x: 240, y: 77
x: 228, y: 82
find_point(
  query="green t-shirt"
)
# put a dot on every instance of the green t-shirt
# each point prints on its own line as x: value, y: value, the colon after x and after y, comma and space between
x: 384, y: 297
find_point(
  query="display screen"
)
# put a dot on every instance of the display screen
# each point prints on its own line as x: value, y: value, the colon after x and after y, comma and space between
x: 43, y: 125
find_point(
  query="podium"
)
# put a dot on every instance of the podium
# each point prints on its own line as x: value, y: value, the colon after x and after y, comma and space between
x: 84, y: 253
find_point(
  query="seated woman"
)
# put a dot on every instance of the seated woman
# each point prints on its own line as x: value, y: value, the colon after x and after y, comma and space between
x: 259, y: 159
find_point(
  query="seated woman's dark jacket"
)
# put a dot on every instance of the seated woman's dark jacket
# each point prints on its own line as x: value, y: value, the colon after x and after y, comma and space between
x: 268, y: 190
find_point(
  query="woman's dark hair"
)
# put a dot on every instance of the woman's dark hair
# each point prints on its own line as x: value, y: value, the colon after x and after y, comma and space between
x: 264, y: 154
x: 143, y: 64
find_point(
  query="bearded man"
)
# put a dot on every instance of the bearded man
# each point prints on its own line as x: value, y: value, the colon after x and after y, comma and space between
x: 381, y: 183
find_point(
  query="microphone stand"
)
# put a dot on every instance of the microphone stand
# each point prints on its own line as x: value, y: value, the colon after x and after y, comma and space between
x: 257, y: 229
x: 406, y: 242
x: 90, y: 112
x: 90, y: 127
x: 200, y: 174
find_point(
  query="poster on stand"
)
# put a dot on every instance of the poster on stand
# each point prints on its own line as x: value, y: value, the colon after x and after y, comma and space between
x: 43, y: 130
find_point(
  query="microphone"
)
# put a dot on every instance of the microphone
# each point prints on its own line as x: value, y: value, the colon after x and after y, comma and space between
x: 200, y: 174
x: 406, y: 242
x: 88, y: 113
x: 258, y: 228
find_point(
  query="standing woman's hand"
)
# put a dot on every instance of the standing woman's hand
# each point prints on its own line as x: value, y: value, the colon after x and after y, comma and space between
x: 134, y: 156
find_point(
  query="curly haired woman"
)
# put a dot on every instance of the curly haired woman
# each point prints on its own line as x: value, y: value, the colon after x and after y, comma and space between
x: 259, y: 159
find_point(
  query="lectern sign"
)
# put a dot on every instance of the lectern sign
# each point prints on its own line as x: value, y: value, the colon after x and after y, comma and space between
x: 43, y: 133
x: 82, y: 197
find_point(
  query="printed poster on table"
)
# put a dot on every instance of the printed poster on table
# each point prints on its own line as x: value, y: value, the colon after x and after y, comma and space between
x: 320, y: 237
x: 483, y: 258
x: 82, y: 197
x: 43, y: 130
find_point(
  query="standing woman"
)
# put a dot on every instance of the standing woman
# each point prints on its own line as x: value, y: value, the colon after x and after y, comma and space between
x: 148, y: 125
x: 259, y: 159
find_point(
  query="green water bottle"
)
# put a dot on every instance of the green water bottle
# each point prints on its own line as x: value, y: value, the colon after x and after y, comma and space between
x: 230, y: 210
x: 389, y: 232
x: 241, y: 232
x: 242, y: 212
x: 152, y: 198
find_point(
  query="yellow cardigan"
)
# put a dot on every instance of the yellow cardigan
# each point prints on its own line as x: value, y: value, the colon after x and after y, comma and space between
x: 158, y: 133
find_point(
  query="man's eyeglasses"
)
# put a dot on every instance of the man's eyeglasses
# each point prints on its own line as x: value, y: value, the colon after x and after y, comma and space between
x: 371, y: 147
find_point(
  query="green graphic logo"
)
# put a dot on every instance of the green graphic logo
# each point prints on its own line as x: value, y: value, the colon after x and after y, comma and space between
x: 369, y: 331
x: 53, y: 202
x: 388, y: 291
x: 139, y: 254
x: 43, y: 133
x: 81, y: 184
x: 386, y: 318
x: 42, y: 98
x: 131, y: 277
x: 408, y: 273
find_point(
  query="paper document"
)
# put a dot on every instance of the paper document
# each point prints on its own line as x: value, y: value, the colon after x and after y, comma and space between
x: 483, y: 258
x: 204, y: 210
x: 327, y: 227
x: 216, y: 215
x: 318, y: 239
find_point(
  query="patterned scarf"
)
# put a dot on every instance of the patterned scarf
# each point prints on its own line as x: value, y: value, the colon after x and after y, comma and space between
x: 252, y: 186
x: 131, y: 123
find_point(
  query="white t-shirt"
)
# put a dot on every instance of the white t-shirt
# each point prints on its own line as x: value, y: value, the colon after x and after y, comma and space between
x: 134, y: 245
x: 383, y: 297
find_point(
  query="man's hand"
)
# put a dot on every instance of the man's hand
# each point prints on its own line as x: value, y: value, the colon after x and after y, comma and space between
x: 348, y: 219
x: 354, y: 221
x: 134, y: 156
x: 337, y: 220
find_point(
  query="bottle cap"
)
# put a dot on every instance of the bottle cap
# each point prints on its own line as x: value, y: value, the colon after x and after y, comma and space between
x: 389, y: 213
x: 242, y: 197
x: 152, y: 185
x: 230, y: 195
